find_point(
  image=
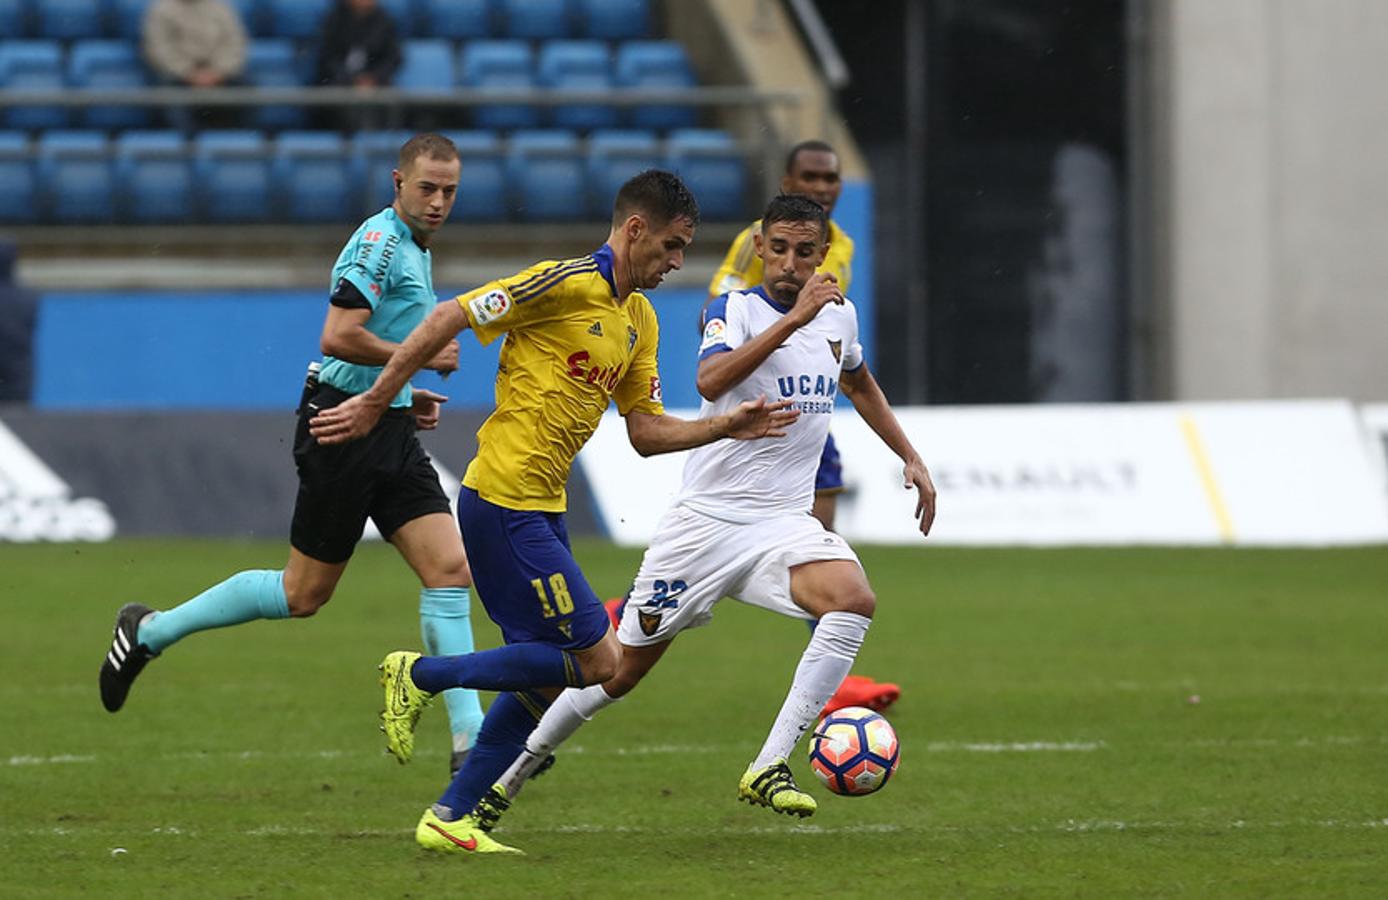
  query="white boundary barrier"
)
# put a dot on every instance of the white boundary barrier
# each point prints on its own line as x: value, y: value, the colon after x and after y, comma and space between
x: 1297, y: 473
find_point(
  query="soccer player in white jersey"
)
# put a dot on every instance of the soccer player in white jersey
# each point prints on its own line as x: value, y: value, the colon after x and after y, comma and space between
x: 741, y: 524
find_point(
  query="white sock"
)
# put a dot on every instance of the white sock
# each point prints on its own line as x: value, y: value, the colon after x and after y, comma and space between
x: 822, y: 668
x: 565, y: 715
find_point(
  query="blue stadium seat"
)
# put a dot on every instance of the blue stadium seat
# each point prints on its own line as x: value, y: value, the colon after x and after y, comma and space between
x: 232, y: 172
x: 31, y: 65
x: 456, y: 19
x: 544, y: 170
x: 310, y: 173
x: 656, y: 65
x: 535, y: 20
x: 68, y: 20
x: 74, y: 168
x: 13, y: 18
x: 298, y: 19
x: 373, y: 156
x: 579, y: 66
x: 127, y: 17
x: 499, y: 66
x: 482, y: 185
x: 155, y: 177
x: 17, y: 201
x: 613, y: 157
x: 711, y: 164
x: 427, y: 66
x: 614, y: 20
x: 274, y: 63
x: 109, y: 65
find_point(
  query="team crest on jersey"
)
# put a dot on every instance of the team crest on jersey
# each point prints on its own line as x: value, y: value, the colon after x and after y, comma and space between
x: 656, y: 394
x: 836, y: 348
x: 631, y: 338
x: 490, y: 306
x: 595, y: 329
x: 649, y: 622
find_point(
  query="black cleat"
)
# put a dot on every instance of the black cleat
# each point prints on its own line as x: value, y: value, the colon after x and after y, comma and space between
x: 126, y: 658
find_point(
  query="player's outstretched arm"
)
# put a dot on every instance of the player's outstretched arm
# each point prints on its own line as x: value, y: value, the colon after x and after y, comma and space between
x: 346, y: 337
x: 721, y: 372
x: 867, y: 397
x: 356, y: 416
x: 651, y: 434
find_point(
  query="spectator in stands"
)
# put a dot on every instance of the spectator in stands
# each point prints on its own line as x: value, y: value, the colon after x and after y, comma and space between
x: 196, y: 44
x: 358, y: 47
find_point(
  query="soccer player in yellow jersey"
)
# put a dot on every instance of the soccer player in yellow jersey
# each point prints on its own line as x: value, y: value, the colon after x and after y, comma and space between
x: 812, y: 169
x: 578, y: 335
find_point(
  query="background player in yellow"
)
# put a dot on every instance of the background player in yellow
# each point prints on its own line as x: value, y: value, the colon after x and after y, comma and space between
x: 812, y: 169
x: 578, y: 334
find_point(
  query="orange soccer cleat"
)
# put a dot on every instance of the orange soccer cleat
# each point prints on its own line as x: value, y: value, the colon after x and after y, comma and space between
x: 859, y: 690
x: 615, y: 607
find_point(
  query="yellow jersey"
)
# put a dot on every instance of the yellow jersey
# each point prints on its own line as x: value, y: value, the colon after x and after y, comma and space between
x: 742, y: 269
x: 570, y: 348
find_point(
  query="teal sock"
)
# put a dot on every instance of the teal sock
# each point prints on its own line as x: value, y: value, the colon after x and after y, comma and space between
x: 446, y: 623
x: 245, y: 596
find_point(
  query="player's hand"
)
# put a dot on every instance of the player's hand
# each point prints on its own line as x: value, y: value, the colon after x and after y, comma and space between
x: 351, y: 419
x: 821, y: 289
x: 758, y: 419
x: 917, y: 477
x: 426, y: 409
x: 446, y: 360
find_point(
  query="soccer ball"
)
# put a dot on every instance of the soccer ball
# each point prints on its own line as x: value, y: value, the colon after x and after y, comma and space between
x: 854, y: 751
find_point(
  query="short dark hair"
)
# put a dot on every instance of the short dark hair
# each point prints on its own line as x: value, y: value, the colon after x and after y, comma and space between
x: 429, y: 144
x: 794, y: 208
x: 806, y: 147
x: 659, y: 195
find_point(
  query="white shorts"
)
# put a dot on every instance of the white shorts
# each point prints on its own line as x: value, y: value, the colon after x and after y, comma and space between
x: 694, y: 561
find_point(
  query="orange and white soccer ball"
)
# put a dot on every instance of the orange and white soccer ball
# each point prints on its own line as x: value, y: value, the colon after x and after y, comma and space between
x: 854, y: 751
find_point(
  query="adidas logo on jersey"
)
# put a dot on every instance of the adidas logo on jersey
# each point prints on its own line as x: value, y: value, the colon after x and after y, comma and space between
x: 595, y: 329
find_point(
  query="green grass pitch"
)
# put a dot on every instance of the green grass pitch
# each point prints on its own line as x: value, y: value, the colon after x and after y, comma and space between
x: 1053, y: 742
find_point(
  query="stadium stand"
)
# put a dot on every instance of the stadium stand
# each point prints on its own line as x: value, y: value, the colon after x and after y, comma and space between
x: 428, y: 66
x: 155, y: 177
x: 535, y: 20
x: 578, y: 65
x: 67, y: 20
x: 32, y: 65
x: 297, y: 19
x: 74, y: 170
x: 656, y: 64
x: 613, y: 157
x: 104, y: 63
x: 455, y: 19
x: 233, y: 177
x: 711, y: 165
x: 615, y: 20
x: 275, y: 63
x: 482, y: 186
x: 310, y: 173
x: 545, y: 172
x: 11, y: 18
x: 16, y: 179
x: 523, y: 161
x: 373, y: 156
x: 499, y: 66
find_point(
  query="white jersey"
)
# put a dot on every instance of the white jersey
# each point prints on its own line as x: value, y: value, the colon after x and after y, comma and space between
x: 747, y: 481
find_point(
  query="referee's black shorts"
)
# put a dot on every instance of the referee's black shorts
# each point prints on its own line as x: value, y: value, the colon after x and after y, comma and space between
x: 385, y: 476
